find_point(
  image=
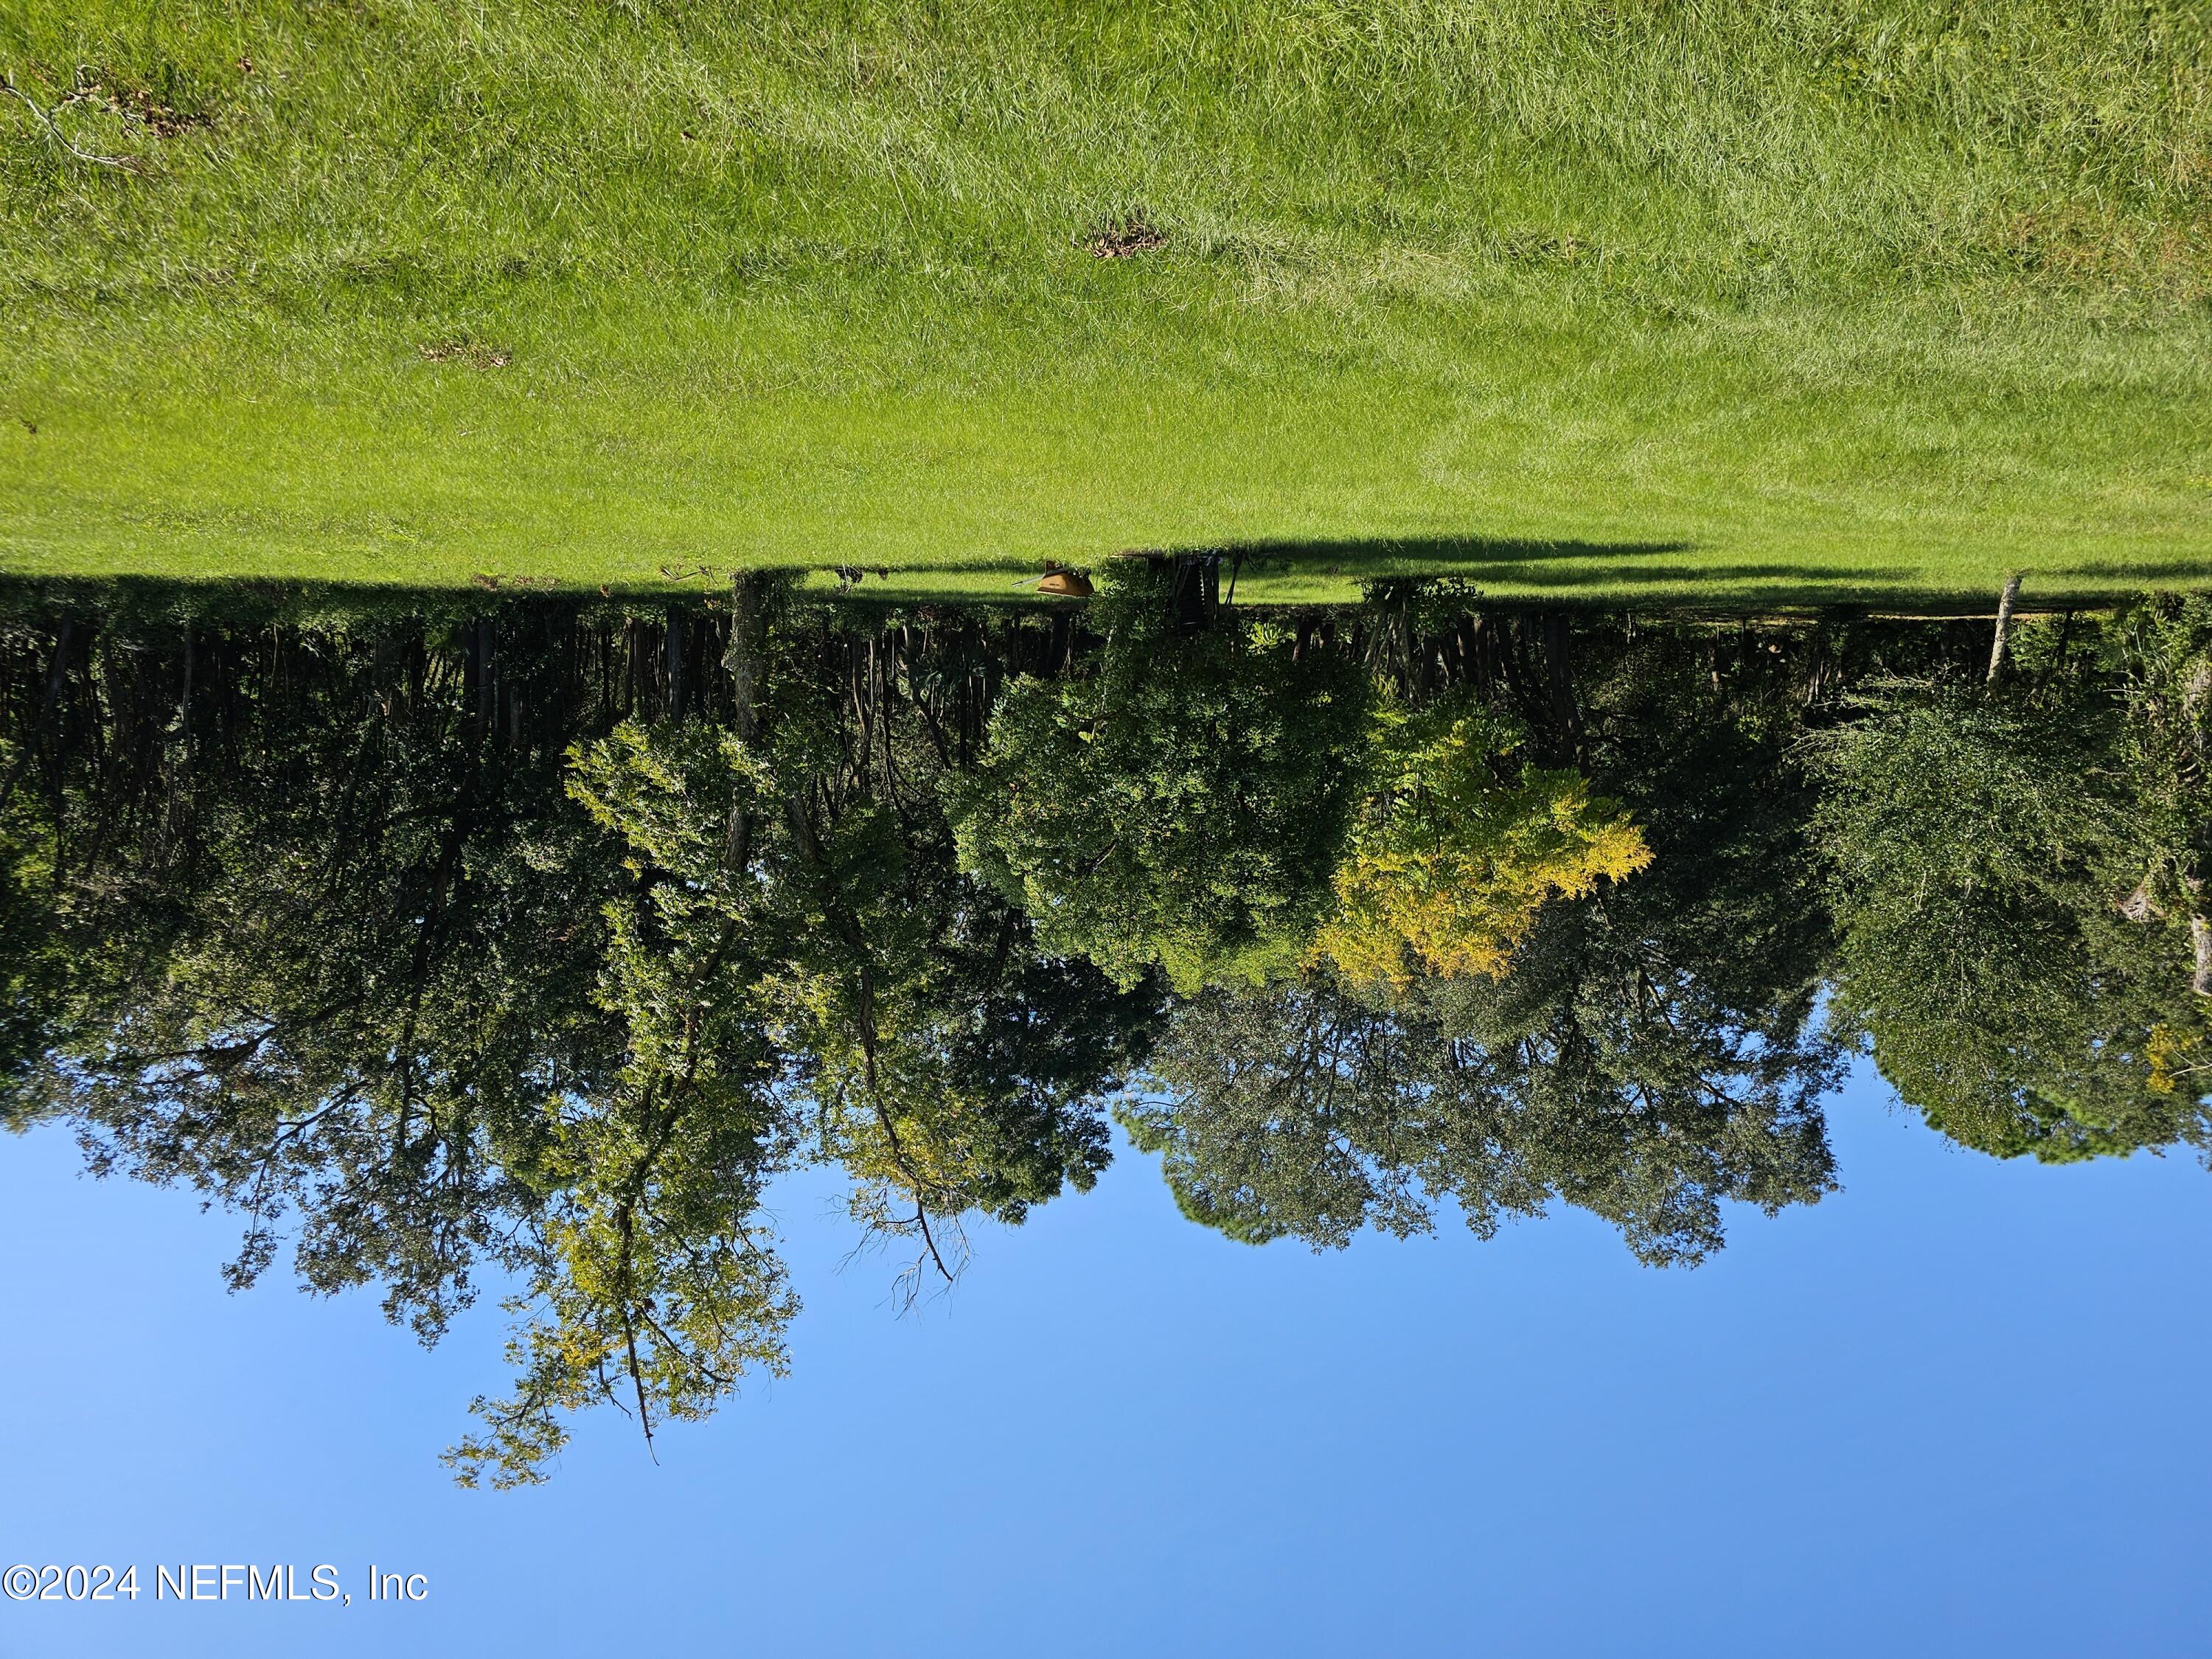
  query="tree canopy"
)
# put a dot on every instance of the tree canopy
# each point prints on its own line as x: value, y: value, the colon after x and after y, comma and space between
x: 1458, y: 845
x: 533, y: 946
x: 2010, y: 877
x: 1183, y: 807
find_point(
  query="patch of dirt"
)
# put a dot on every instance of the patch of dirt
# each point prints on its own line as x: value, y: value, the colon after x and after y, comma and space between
x: 468, y: 353
x: 157, y: 112
x: 1124, y: 238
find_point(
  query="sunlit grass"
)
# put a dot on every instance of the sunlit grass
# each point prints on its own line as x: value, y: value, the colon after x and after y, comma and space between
x: 1583, y: 299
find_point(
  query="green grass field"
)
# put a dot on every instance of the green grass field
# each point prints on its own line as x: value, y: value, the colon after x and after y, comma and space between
x: 1756, y: 301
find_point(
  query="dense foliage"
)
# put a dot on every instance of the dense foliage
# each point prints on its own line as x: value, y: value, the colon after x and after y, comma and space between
x: 2014, y: 880
x: 533, y: 946
x: 1181, y: 809
x: 1458, y: 847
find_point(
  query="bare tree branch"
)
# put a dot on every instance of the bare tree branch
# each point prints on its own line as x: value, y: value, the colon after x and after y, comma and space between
x: 120, y: 163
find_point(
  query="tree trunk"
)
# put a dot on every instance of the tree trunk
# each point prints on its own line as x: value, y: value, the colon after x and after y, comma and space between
x: 2200, y: 935
x: 487, y: 674
x: 674, y: 653
x: 742, y: 658
x: 2004, y: 627
x: 1558, y: 671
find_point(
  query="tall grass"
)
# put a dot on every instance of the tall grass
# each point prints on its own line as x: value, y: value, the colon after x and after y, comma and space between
x: 1674, y: 269
x: 1740, y: 151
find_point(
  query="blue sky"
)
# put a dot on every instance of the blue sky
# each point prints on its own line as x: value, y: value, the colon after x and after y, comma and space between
x: 1955, y: 1408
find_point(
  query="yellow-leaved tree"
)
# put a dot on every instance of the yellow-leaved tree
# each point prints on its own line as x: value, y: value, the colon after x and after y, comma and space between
x: 1456, y: 848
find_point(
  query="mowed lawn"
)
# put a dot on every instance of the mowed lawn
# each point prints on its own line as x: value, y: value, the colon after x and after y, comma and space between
x: 1758, y: 301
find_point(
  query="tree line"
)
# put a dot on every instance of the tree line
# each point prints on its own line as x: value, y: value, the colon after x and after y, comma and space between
x: 534, y: 941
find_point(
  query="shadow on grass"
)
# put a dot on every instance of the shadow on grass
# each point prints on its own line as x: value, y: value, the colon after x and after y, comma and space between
x: 1669, y: 573
x: 2184, y: 571
x: 1500, y: 572
x: 1454, y: 551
